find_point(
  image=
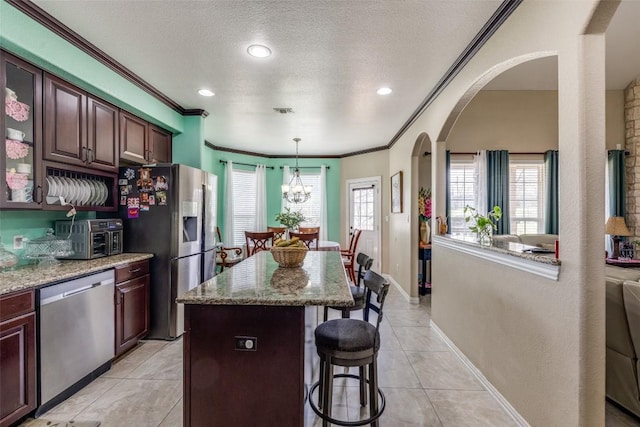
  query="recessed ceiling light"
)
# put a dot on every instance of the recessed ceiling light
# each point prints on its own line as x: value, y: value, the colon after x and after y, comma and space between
x: 205, y: 92
x: 258, y: 51
x: 384, y: 91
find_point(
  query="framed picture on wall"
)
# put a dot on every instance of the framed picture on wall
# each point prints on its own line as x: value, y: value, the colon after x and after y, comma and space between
x: 396, y: 193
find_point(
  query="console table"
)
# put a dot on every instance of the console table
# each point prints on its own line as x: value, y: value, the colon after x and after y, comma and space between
x: 424, y: 255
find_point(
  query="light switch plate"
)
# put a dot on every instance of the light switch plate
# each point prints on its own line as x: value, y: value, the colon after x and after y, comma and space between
x: 18, y: 242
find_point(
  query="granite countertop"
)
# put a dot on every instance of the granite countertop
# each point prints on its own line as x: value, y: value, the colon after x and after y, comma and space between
x: 259, y: 281
x: 513, y: 249
x: 33, y: 276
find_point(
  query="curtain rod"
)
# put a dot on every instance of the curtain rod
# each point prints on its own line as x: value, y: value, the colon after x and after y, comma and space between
x: 244, y: 164
x: 306, y: 167
x: 510, y: 152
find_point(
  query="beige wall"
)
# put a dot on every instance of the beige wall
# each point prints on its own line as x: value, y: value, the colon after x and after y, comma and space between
x: 366, y: 166
x: 560, y: 381
x: 523, y: 121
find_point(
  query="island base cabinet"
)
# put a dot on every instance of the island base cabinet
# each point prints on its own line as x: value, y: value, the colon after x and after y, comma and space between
x: 228, y: 386
x: 17, y: 357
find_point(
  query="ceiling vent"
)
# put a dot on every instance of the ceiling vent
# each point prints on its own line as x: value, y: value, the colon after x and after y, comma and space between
x: 283, y: 110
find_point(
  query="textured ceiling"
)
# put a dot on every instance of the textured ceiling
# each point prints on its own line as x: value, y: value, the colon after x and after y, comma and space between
x: 329, y: 58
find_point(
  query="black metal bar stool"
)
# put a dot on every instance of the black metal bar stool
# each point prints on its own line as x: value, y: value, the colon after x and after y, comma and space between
x: 350, y: 343
x: 357, y: 292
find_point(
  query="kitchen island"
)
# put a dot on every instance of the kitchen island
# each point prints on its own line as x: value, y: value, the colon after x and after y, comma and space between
x: 244, y: 342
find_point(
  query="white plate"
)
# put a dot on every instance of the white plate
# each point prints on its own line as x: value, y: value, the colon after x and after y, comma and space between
x: 105, y: 193
x: 52, y: 187
x: 86, y: 191
x: 59, y: 186
x: 73, y: 191
x: 78, y: 189
x: 66, y: 188
x: 93, y: 192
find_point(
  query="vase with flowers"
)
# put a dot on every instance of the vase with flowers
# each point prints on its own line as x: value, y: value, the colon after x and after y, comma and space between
x: 424, y: 211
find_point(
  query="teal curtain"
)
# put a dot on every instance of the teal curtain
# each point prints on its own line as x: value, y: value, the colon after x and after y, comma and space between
x: 498, y: 186
x: 617, y: 184
x: 448, y: 189
x: 551, y: 191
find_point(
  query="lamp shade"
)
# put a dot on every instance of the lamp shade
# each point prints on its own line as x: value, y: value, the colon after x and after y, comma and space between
x: 616, y: 227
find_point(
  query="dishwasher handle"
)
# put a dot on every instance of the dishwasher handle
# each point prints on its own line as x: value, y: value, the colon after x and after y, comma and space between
x: 79, y: 291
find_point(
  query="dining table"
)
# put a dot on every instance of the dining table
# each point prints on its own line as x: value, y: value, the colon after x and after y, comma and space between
x: 326, y: 245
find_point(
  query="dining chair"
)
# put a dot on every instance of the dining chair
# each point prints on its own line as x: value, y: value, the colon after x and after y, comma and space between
x: 309, y: 230
x: 310, y: 240
x: 227, y: 256
x: 348, y: 255
x: 278, y: 232
x: 258, y: 241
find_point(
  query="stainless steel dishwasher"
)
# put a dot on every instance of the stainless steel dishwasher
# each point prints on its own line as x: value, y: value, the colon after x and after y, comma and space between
x: 76, y: 335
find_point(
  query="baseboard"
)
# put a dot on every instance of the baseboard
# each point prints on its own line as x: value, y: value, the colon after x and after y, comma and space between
x: 483, y: 380
x: 411, y: 300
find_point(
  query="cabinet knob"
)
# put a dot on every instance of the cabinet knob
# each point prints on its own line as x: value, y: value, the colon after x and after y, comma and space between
x: 90, y: 155
x: 84, y: 154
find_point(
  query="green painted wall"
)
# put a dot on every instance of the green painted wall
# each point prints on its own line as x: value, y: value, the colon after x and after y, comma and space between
x: 26, y: 38
x: 30, y: 224
x: 274, y: 181
x: 188, y: 147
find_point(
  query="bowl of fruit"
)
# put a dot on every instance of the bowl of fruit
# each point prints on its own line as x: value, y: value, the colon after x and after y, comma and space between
x: 289, y: 253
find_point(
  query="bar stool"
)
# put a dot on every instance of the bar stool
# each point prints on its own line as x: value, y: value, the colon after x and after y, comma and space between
x: 350, y: 343
x: 357, y: 292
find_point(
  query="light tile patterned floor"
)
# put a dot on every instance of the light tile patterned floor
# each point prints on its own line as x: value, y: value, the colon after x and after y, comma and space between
x: 424, y: 382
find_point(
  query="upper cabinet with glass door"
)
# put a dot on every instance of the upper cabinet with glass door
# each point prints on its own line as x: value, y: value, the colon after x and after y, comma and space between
x: 21, y: 123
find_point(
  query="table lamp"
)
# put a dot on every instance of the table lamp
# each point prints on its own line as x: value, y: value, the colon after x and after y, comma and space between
x: 616, y: 227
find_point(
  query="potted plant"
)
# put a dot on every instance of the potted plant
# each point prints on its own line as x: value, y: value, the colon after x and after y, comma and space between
x: 289, y: 219
x: 483, y: 225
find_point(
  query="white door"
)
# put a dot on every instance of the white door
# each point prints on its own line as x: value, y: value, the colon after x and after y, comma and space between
x: 364, y: 214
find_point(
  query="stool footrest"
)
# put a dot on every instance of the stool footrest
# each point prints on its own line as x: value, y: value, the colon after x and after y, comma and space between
x: 342, y: 422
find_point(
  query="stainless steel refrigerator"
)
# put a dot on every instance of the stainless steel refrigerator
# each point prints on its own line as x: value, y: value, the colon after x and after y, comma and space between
x: 170, y: 210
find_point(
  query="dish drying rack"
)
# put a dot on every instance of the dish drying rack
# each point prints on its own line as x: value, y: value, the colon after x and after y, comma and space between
x: 46, y: 249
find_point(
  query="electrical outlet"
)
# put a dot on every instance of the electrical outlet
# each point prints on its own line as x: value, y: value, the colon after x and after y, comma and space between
x: 246, y: 343
x: 18, y: 242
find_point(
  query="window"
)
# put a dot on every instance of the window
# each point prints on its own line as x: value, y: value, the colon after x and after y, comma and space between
x: 363, y: 208
x: 244, y: 208
x: 311, y: 208
x: 526, y: 196
x: 462, y: 179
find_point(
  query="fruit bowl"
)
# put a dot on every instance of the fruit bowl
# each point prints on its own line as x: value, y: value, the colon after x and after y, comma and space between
x: 289, y: 256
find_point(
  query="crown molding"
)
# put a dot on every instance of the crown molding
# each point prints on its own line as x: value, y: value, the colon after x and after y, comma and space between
x: 196, y: 112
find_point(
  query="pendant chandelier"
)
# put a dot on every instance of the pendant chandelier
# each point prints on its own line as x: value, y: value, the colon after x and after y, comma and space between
x: 296, y: 191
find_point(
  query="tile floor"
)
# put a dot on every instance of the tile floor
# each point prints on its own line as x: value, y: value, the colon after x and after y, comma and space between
x: 424, y: 382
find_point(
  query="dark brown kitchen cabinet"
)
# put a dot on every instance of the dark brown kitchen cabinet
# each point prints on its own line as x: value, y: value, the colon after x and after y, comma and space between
x: 21, y: 123
x: 17, y: 357
x: 134, y: 139
x: 79, y: 129
x: 159, y: 145
x: 103, y: 135
x: 132, y: 305
x: 65, y: 122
